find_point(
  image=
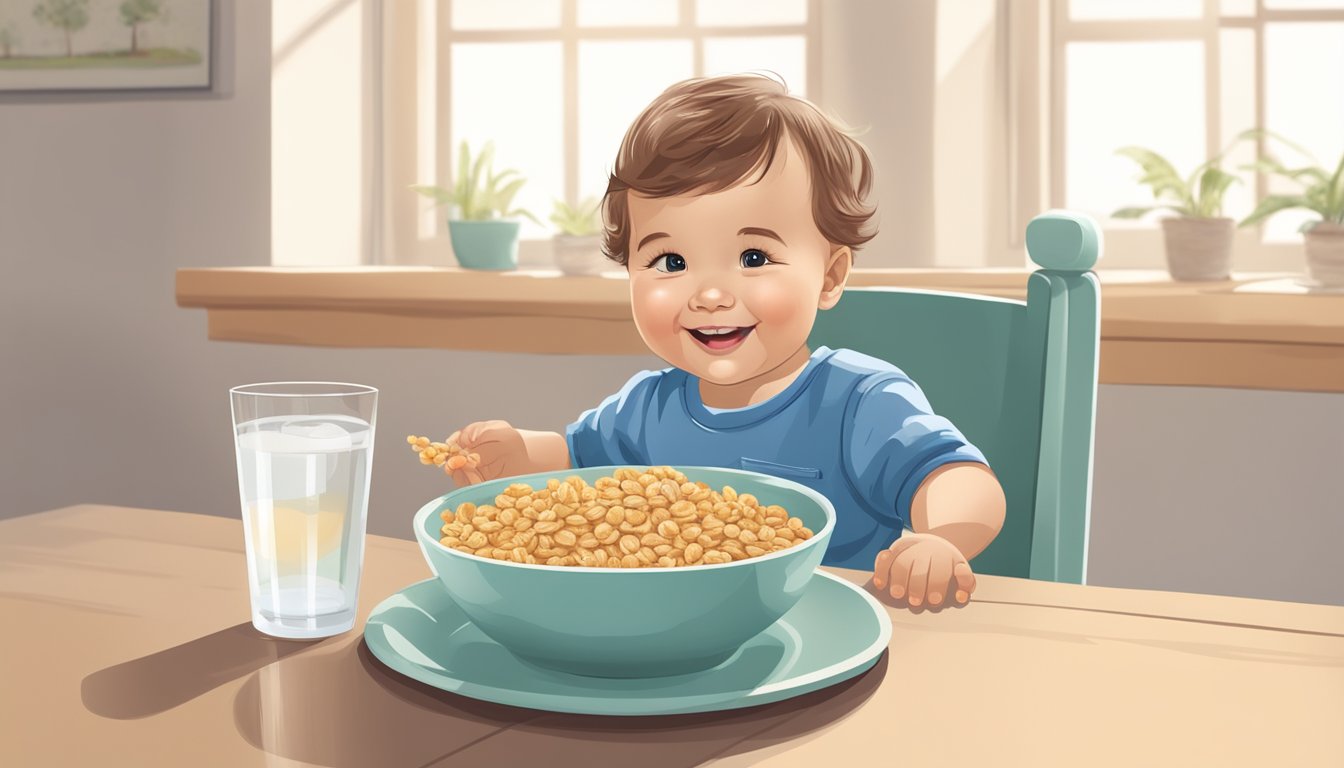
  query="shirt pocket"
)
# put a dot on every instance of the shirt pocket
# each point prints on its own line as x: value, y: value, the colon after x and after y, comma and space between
x: 780, y: 470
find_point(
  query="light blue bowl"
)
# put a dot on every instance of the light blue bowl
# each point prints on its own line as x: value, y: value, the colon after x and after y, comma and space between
x: 637, y: 622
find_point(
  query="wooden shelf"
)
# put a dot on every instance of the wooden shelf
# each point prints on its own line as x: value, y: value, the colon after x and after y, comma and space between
x: 1154, y: 331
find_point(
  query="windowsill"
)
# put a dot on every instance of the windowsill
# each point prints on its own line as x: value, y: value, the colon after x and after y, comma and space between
x: 1154, y: 331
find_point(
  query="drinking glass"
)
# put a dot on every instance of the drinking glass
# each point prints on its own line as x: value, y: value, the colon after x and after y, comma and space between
x: 305, y: 450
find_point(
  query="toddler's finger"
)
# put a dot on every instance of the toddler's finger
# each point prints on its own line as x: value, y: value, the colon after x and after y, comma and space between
x: 468, y: 434
x: 917, y: 586
x: 473, y: 432
x: 882, y: 568
x: 965, y: 579
x: 455, y: 437
x: 902, y: 544
x: 940, y: 578
x: 473, y: 474
x: 460, y: 479
x: 492, y: 434
x: 491, y: 463
x: 900, y: 572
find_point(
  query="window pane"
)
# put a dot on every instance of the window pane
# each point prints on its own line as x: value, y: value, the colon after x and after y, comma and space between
x: 506, y: 14
x: 749, y: 13
x: 1090, y: 10
x: 1237, y: 7
x: 1304, y: 102
x: 511, y: 94
x: 1148, y: 94
x: 616, y: 81
x: 785, y: 57
x: 1236, y: 51
x: 624, y: 13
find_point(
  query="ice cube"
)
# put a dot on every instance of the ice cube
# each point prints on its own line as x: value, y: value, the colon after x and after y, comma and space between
x: 323, y: 431
x: 303, y: 438
x: 323, y: 437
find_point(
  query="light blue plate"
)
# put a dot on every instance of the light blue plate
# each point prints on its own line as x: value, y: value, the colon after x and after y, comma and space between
x: 835, y: 632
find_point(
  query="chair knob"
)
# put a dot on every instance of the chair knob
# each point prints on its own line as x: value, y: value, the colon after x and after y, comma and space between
x: 1064, y: 241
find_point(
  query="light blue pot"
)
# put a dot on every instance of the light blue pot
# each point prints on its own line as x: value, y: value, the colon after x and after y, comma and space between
x: 638, y: 622
x: 489, y: 244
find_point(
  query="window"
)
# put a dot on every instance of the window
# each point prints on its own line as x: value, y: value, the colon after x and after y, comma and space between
x: 1184, y: 78
x: 555, y: 83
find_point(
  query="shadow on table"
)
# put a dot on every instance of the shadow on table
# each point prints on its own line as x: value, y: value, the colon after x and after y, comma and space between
x: 339, y: 706
x: 160, y: 681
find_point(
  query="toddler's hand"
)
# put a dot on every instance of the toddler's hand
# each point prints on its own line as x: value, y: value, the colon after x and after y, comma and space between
x: 500, y: 447
x: 922, y: 568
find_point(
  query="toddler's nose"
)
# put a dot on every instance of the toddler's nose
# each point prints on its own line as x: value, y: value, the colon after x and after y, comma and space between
x: 710, y: 298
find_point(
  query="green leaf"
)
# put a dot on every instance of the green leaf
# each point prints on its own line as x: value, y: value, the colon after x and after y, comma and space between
x: 1318, y: 200
x: 504, y: 197
x: 484, y: 165
x: 583, y: 219
x: 1256, y: 133
x: 438, y: 194
x: 1272, y: 205
x: 1139, y: 212
x: 1271, y: 165
x: 521, y: 212
x: 479, y: 192
x: 461, y: 191
x: 1335, y: 201
x: 1158, y: 173
x: 1134, y: 213
x: 1213, y: 184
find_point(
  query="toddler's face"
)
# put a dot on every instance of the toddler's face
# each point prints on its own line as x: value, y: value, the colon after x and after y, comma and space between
x: 726, y: 286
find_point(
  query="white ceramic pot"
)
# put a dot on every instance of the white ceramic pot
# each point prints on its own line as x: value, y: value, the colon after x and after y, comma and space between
x: 1198, y: 249
x: 1325, y: 254
x: 581, y: 255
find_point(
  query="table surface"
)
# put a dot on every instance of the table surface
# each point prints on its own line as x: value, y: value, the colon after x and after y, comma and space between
x: 127, y: 642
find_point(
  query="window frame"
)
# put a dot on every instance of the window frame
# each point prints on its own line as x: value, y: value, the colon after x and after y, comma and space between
x: 1045, y: 133
x: 418, y: 39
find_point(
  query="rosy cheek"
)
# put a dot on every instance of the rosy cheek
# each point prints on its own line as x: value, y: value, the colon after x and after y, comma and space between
x: 778, y: 302
x: 657, y: 307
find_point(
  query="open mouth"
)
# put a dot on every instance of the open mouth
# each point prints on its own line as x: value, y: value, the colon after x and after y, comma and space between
x: 719, y: 338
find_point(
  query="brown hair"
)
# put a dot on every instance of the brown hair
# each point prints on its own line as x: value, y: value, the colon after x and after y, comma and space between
x: 707, y: 134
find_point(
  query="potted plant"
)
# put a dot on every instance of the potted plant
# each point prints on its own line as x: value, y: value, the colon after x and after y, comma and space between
x: 1198, y: 239
x: 484, y: 232
x: 578, y: 247
x: 1319, y: 192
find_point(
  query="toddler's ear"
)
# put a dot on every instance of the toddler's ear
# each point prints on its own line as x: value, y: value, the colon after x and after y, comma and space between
x: 837, y: 273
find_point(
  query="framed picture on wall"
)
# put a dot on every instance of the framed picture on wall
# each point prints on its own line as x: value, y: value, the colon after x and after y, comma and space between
x: 105, y: 45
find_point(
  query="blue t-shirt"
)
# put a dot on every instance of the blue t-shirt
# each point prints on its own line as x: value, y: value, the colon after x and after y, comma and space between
x: 850, y: 426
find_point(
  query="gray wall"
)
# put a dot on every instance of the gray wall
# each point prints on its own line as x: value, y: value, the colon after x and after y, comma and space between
x: 111, y: 394
x: 1222, y: 491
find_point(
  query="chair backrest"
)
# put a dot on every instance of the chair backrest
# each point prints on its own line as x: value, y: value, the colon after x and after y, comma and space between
x: 1019, y: 379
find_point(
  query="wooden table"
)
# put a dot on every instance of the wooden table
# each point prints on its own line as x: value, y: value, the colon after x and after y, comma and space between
x: 127, y: 642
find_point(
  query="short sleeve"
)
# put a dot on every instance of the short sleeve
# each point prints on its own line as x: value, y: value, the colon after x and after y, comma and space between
x: 614, y: 431
x: 893, y: 441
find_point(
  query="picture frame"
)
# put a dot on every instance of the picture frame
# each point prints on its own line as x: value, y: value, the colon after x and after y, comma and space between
x: 94, y: 46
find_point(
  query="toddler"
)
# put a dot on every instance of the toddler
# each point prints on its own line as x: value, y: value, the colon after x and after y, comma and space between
x: 736, y: 210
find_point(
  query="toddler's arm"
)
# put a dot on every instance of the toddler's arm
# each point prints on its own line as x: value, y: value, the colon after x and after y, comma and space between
x: 956, y: 512
x: 962, y: 503
x: 507, y: 451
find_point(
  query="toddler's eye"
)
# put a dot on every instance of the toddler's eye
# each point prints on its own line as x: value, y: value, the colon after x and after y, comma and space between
x: 669, y: 262
x: 754, y: 258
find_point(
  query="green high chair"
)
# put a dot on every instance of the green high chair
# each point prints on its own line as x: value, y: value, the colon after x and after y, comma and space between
x: 1019, y: 379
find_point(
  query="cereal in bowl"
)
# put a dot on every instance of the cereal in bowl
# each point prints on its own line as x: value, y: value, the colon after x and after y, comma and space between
x: 633, y: 518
